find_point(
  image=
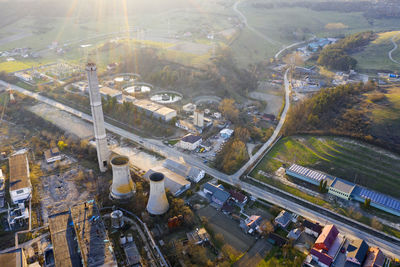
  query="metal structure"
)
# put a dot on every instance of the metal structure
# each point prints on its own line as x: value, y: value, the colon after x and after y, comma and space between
x: 158, y: 203
x: 122, y: 185
x: 116, y: 219
x: 98, y: 118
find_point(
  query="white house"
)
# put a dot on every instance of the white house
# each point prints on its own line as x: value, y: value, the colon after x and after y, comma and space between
x: 190, y: 142
x: 20, y: 183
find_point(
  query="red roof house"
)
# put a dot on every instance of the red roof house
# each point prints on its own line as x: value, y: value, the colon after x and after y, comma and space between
x: 326, y: 238
x: 323, y: 258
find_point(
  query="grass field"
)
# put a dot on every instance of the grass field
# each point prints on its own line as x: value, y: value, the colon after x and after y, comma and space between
x: 375, y: 55
x: 348, y: 159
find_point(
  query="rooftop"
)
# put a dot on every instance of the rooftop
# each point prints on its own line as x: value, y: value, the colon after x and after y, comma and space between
x: 91, y: 235
x: 375, y: 257
x: 63, y: 239
x: 12, y: 258
x: 312, y: 174
x: 191, y: 138
x: 358, y: 250
x: 109, y: 91
x: 312, y: 226
x: 378, y: 198
x: 283, y: 218
x: 343, y: 186
x: 328, y: 236
x: 181, y: 169
x: 19, y: 172
x: 217, y: 191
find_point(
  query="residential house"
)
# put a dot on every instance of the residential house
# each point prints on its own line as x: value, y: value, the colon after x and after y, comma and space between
x: 283, y: 219
x: 375, y: 258
x: 190, y: 142
x: 294, y: 234
x: 356, y: 253
x: 20, y: 183
x: 238, y: 197
x: 252, y: 223
x: 217, y: 193
x: 327, y: 246
x: 312, y: 228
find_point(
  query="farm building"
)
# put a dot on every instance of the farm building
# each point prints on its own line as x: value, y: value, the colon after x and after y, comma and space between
x: 341, y: 188
x: 378, y: 200
x: 308, y: 175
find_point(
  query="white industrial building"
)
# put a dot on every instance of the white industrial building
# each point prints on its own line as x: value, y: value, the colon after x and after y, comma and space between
x: 198, y: 119
x: 155, y: 110
x: 23, y: 76
x: 20, y: 183
x: 190, y: 142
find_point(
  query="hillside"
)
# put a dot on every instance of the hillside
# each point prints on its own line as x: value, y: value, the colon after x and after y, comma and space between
x: 367, y: 112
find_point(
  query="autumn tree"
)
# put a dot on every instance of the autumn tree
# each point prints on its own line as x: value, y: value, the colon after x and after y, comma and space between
x: 266, y: 228
x: 228, y: 109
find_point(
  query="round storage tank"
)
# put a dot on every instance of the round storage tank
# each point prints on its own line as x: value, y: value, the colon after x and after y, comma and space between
x: 116, y: 219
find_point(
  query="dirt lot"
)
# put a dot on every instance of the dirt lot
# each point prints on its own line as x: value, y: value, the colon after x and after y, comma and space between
x: 229, y: 228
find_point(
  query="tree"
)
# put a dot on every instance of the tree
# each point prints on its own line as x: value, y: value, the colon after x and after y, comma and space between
x: 367, y: 203
x: 266, y: 228
x: 228, y: 109
x: 375, y: 223
x: 61, y: 145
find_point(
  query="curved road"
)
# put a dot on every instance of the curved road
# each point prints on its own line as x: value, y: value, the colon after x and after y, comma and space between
x: 244, y: 21
x: 395, y: 46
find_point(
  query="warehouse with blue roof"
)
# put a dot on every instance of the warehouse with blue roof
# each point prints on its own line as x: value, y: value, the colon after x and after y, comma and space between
x: 345, y: 189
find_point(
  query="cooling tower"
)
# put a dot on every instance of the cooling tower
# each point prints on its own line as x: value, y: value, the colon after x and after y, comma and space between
x: 122, y: 186
x: 98, y: 118
x: 158, y: 203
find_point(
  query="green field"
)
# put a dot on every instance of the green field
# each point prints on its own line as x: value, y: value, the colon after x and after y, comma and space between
x: 345, y: 158
x: 375, y: 55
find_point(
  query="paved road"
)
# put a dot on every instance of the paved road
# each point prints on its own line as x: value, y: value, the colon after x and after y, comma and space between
x: 244, y: 21
x: 395, y: 46
x: 156, y: 145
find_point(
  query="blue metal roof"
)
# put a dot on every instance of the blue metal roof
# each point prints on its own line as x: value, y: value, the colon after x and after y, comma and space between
x: 311, y: 174
x: 378, y: 198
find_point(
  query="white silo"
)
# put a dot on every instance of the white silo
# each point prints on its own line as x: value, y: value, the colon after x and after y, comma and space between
x: 158, y: 203
x: 122, y: 185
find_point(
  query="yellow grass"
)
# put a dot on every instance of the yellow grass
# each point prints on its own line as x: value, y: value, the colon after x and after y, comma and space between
x: 385, y: 36
x: 12, y: 66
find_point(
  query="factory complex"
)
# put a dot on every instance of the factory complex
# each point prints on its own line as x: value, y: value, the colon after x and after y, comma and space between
x: 345, y: 189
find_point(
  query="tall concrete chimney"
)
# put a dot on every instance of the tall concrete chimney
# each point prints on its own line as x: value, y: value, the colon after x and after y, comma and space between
x: 122, y: 186
x: 98, y: 119
x: 158, y: 202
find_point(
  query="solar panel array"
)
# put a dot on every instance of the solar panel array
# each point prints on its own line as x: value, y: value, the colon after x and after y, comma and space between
x: 314, y: 175
x: 380, y: 199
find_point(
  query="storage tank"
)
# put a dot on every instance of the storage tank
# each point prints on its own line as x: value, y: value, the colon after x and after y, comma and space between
x: 158, y: 203
x: 129, y: 238
x: 122, y: 185
x: 116, y: 219
x: 122, y: 239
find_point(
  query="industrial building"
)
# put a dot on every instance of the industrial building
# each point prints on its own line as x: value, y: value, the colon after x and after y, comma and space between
x: 20, y: 183
x: 155, y: 110
x: 346, y: 190
x: 14, y: 258
x: 53, y: 154
x: 110, y: 92
x: 189, y: 172
x: 308, y: 175
x: 190, y: 142
x: 341, y: 188
x: 189, y: 108
x: 79, y: 236
x: 176, y: 184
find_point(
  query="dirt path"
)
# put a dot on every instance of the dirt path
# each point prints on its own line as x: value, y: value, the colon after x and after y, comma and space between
x: 395, y: 46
